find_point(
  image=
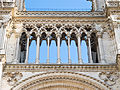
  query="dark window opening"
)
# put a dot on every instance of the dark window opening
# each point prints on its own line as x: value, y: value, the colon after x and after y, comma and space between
x: 23, y: 44
x: 94, y: 48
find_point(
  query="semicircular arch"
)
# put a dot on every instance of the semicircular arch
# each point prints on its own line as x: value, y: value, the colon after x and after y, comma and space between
x: 59, y: 80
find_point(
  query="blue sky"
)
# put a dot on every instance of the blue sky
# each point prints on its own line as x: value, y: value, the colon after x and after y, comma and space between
x: 58, y: 4
x: 62, y: 5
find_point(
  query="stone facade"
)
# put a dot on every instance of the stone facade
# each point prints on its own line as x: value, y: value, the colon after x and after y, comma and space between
x: 99, y: 28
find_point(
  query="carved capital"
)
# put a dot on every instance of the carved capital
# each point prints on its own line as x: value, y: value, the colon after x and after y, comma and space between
x: 48, y: 34
x: 78, y: 35
x: 88, y: 35
x: 38, y: 35
x: 58, y: 35
x: 99, y: 34
x: 68, y: 35
x: 17, y: 35
x: 28, y: 35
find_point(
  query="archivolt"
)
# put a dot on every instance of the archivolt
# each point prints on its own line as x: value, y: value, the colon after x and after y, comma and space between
x: 61, y: 79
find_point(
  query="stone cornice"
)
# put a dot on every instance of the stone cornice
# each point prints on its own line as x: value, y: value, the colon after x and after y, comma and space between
x: 60, y: 67
x: 59, y: 14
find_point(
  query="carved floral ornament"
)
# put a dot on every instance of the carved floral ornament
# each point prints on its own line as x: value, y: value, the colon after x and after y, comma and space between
x: 12, y: 77
x: 109, y: 77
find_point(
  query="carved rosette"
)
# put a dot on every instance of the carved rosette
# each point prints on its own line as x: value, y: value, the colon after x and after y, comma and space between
x: 109, y: 77
x: 12, y: 77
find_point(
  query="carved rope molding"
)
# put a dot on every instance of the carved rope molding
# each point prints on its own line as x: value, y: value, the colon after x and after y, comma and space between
x: 12, y: 77
x: 109, y: 77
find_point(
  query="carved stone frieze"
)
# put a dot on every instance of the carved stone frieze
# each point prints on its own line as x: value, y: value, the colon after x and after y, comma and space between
x: 12, y: 77
x: 109, y: 77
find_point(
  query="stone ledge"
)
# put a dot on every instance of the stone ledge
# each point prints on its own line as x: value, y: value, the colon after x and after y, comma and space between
x: 60, y: 67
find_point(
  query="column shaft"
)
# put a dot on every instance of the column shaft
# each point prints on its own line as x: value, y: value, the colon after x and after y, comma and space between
x: 37, y: 50
x: 27, y: 51
x: 79, y: 51
x: 69, y: 59
x: 48, y: 55
x: 89, y: 51
x: 58, y: 50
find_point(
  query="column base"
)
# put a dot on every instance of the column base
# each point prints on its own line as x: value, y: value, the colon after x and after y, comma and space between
x: 80, y: 61
x: 26, y: 62
x: 58, y: 61
x: 69, y: 61
x: 48, y: 61
x: 14, y: 62
x: 103, y: 61
x: 37, y: 61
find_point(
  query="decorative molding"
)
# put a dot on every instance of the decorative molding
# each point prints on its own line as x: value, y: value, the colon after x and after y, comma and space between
x: 59, y: 67
x: 109, y: 77
x: 76, y: 28
x: 59, y: 14
x: 12, y: 77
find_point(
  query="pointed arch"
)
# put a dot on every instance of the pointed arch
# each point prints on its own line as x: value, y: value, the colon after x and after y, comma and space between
x: 64, y: 49
x: 84, y: 47
x: 32, y: 48
x: 73, y: 48
x: 43, y: 48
